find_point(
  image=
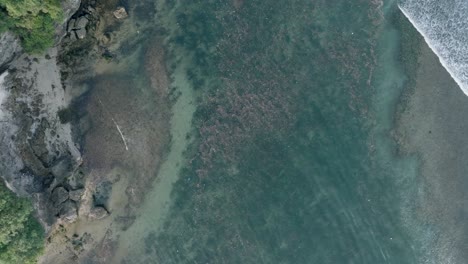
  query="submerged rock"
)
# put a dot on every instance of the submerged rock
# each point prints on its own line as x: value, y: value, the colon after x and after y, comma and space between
x: 102, y: 193
x: 97, y: 213
x: 120, y: 13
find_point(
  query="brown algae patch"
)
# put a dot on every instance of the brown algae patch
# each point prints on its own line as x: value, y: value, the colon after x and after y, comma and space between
x: 140, y: 106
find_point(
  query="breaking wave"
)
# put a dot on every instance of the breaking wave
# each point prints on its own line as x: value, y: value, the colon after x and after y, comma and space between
x: 444, y: 26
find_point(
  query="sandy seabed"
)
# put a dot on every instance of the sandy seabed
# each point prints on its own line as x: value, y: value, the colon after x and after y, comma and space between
x: 434, y: 127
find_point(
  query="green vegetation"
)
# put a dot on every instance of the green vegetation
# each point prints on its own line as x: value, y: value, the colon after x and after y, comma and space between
x: 32, y: 20
x: 21, y: 236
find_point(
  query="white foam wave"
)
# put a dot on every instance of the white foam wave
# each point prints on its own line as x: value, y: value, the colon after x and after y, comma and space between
x: 444, y: 26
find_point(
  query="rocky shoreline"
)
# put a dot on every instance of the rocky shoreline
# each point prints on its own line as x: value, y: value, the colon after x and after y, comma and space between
x: 39, y: 157
x: 62, y: 112
x: 41, y: 152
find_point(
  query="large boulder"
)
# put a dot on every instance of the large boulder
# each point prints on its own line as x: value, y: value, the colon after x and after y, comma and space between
x: 68, y: 211
x: 69, y: 8
x: 59, y: 196
x: 76, y: 195
x: 81, y: 22
x: 71, y: 25
x: 81, y: 33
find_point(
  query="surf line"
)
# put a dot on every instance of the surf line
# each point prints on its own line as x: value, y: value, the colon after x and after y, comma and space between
x: 438, y: 49
x: 115, y: 123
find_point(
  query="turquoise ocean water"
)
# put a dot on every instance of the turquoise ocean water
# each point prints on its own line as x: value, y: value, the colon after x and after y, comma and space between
x: 289, y: 155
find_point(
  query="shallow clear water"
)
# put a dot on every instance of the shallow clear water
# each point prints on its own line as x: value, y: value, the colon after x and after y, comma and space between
x: 281, y: 149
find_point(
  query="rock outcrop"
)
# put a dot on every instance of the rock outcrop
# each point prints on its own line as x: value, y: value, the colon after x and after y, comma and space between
x: 59, y: 196
x: 38, y: 157
x: 9, y: 49
x: 77, y: 27
x: 69, y: 8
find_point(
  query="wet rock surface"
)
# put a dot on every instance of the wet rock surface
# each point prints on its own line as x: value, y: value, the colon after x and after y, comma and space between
x: 71, y: 25
x: 34, y: 157
x: 61, y: 169
x: 81, y: 33
x: 76, y: 195
x: 77, y: 27
x: 102, y: 193
x: 59, y: 196
x: 69, y: 7
x: 68, y: 211
x: 97, y: 213
x: 9, y: 49
x: 83, y: 20
x: 32, y: 183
